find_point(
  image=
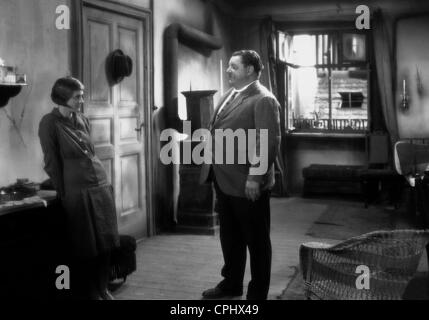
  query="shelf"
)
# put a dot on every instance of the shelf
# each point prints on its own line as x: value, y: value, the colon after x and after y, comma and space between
x: 7, y: 84
x: 339, y: 135
x: 9, y: 90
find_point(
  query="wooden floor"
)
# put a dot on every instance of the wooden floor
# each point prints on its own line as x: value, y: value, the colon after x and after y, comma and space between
x: 171, y: 267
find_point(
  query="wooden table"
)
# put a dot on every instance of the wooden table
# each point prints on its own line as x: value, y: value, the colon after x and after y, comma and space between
x: 31, y: 245
x: 42, y: 199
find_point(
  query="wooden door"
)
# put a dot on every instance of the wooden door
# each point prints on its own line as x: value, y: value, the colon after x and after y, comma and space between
x: 116, y: 111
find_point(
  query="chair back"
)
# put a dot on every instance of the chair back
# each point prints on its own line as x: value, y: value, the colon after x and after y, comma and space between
x: 411, y: 157
x: 392, y: 258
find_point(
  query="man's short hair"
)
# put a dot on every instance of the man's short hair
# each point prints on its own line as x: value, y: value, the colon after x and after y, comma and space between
x: 251, y: 58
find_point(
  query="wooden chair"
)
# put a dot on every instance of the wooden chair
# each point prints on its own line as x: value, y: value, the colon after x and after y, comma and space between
x: 411, y: 162
x: 330, y: 271
x: 411, y: 158
x: 378, y: 172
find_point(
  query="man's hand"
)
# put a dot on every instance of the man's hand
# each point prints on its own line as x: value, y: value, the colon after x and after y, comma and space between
x: 252, y: 190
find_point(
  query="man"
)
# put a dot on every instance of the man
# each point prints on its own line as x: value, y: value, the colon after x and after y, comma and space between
x: 243, y: 197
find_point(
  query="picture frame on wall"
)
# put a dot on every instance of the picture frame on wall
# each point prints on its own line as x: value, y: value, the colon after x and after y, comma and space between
x: 354, y: 47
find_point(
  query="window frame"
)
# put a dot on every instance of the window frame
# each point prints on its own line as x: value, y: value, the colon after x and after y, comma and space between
x: 340, y: 30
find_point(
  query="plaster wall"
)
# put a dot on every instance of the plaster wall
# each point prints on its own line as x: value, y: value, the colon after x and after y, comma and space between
x: 30, y: 41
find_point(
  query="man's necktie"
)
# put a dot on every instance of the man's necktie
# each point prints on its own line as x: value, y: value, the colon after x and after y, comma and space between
x: 228, y: 103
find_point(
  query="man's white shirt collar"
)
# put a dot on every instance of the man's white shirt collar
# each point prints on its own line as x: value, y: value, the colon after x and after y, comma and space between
x: 231, y: 94
x: 244, y: 88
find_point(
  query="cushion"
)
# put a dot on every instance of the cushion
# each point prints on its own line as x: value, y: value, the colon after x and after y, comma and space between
x: 332, y: 172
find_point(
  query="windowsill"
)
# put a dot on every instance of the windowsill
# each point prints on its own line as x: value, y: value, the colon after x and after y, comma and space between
x: 340, y: 135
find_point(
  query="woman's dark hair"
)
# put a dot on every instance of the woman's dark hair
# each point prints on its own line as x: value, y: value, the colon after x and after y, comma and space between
x: 250, y: 58
x: 64, y: 88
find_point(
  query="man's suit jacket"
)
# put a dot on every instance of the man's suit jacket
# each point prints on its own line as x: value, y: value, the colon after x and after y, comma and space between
x: 254, y: 108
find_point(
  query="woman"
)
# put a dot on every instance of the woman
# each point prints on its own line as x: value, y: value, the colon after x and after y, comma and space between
x: 81, y: 183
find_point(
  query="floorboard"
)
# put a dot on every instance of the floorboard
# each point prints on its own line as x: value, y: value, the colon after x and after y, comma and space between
x: 180, y: 267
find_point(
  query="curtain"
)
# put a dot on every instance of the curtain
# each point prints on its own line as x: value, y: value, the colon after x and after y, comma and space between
x: 270, y: 77
x: 268, y: 47
x: 384, y: 62
x: 305, y: 82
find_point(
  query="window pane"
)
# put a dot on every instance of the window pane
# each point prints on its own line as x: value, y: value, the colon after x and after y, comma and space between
x: 327, y: 48
x: 310, y: 98
x: 304, y: 88
x: 304, y: 50
x: 318, y: 102
x: 349, y: 99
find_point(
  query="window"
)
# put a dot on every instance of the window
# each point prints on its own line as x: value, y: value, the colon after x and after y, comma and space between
x: 351, y: 99
x: 327, y: 76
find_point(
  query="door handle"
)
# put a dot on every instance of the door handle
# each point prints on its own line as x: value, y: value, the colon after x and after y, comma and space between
x: 139, y: 129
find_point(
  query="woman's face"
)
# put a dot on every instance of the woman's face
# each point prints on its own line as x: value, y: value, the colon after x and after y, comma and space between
x: 76, y: 101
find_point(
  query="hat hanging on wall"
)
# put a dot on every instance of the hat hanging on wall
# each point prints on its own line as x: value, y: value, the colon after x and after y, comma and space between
x: 119, y: 65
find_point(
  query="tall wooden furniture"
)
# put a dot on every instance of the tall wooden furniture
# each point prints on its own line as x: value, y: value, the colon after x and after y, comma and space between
x: 196, y: 202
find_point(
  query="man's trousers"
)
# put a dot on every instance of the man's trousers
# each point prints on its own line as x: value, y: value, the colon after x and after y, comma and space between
x: 245, y: 224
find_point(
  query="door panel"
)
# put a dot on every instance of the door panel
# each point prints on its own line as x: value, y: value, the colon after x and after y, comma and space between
x: 108, y: 166
x: 101, y: 131
x: 116, y: 111
x: 100, y: 44
x: 130, y: 184
x: 128, y: 87
x: 128, y: 132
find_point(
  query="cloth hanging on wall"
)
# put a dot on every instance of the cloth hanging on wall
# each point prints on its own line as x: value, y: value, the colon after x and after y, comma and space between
x: 268, y: 45
x: 383, y: 51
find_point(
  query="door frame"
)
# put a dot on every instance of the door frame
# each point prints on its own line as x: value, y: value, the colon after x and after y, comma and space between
x: 77, y: 57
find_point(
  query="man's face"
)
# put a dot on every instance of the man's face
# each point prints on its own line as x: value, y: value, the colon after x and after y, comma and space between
x: 238, y: 74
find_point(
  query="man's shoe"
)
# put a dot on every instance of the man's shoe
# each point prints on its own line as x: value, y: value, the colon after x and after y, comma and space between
x: 218, y: 293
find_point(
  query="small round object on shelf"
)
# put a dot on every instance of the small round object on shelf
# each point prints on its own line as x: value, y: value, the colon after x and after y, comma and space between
x: 9, y: 90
